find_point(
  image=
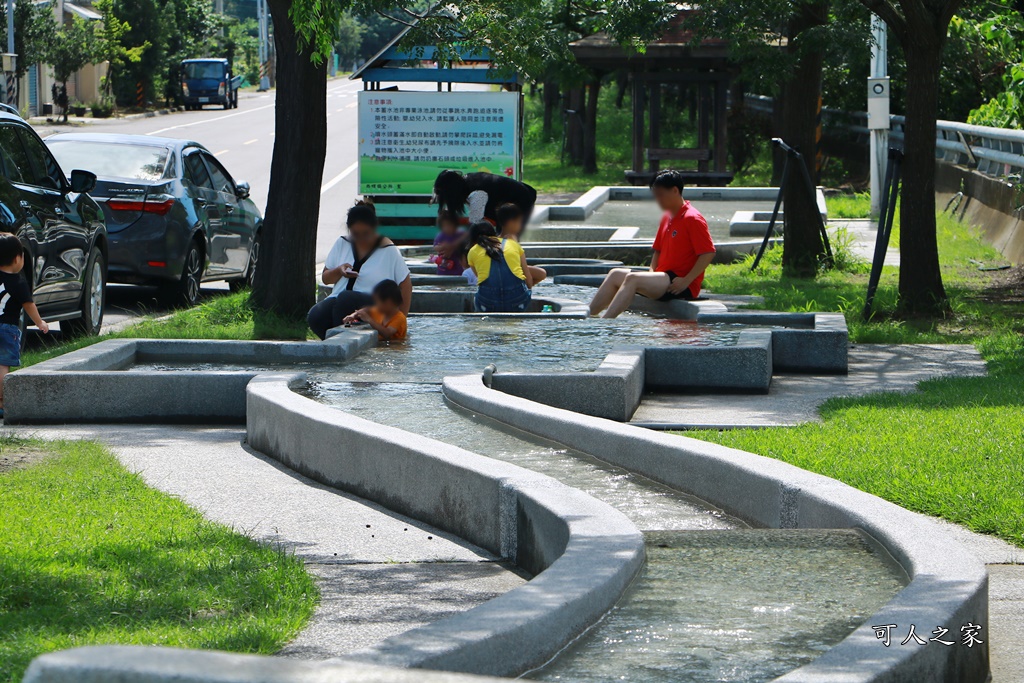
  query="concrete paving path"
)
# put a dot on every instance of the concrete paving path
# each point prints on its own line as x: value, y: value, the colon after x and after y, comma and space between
x: 379, y: 573
x: 794, y: 398
x: 864, y: 232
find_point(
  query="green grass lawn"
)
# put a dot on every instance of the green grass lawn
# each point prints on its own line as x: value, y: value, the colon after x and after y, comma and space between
x: 91, y: 555
x: 952, y: 449
x: 218, y: 317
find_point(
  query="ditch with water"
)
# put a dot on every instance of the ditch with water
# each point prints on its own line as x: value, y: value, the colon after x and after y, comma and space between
x: 717, y: 600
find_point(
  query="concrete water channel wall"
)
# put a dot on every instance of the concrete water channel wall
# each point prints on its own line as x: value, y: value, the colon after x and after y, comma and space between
x: 582, y: 554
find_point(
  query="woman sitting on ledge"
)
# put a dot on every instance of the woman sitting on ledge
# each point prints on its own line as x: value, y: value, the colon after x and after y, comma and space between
x: 355, y: 266
x: 682, y: 252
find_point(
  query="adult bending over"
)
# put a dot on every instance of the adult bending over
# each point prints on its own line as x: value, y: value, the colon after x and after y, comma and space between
x: 355, y: 266
x: 682, y: 252
x: 484, y: 193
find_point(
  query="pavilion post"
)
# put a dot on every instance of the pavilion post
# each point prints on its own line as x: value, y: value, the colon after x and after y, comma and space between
x: 638, y: 123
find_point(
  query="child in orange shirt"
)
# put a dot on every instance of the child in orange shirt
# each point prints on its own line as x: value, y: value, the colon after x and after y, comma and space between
x: 385, y: 315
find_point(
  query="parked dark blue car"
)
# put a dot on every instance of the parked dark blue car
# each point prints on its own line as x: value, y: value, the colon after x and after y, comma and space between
x: 174, y: 215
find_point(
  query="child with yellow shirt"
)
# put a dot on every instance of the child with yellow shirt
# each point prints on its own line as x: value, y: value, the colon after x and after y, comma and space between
x: 501, y: 268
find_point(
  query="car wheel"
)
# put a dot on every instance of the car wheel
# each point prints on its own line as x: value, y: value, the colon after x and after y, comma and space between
x: 185, y: 292
x: 94, y: 299
x: 250, y: 269
x: 227, y: 103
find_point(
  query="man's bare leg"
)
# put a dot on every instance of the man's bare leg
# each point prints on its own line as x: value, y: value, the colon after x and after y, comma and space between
x: 651, y: 285
x: 606, y: 292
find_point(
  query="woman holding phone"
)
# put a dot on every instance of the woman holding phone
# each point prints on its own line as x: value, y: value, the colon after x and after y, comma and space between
x: 356, y: 264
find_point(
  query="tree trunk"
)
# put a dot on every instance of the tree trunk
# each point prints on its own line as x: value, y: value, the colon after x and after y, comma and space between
x: 575, y: 126
x: 551, y: 99
x: 622, y: 81
x: 921, y: 290
x: 284, y: 279
x: 590, y: 128
x: 802, y: 246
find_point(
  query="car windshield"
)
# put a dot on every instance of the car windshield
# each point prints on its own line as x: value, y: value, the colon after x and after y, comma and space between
x: 204, y: 70
x: 111, y: 160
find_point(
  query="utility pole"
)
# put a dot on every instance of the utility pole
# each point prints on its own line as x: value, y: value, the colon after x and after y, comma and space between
x: 10, y: 59
x: 878, y: 111
x: 263, y: 18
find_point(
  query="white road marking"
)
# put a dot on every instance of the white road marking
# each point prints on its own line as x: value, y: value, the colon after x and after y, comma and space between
x: 223, y: 151
x: 251, y: 141
x: 203, y: 121
x: 338, y: 178
x: 349, y: 106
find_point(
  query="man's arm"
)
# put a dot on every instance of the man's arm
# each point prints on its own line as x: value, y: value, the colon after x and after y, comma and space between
x: 683, y: 281
x: 654, y: 261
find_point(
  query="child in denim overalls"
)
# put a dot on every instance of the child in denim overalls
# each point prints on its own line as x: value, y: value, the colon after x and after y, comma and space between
x: 500, y: 265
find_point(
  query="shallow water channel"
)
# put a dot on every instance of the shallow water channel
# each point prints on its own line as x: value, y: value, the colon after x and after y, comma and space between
x: 717, y: 601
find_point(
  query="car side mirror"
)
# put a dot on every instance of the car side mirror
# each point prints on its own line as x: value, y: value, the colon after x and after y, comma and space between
x: 242, y: 190
x: 82, y: 181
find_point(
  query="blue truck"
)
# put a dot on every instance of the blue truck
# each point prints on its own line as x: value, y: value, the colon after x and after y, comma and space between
x: 208, y: 81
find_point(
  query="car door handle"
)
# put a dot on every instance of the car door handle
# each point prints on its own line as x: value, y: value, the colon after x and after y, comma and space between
x: 24, y: 204
x: 229, y: 208
x: 58, y: 211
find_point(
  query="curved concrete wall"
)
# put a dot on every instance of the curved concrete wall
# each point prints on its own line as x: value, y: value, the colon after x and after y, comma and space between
x: 584, y: 553
x: 948, y: 586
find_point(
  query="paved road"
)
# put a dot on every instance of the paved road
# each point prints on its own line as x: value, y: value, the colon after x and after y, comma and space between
x: 243, y: 140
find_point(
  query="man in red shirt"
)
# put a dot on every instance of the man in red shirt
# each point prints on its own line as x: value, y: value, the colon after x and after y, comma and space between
x: 682, y: 252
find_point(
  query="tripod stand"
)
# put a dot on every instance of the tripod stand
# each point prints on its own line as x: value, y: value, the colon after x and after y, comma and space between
x: 793, y: 157
x: 887, y: 214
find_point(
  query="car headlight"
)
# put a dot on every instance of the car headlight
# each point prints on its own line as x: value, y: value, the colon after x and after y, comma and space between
x: 221, y: 88
x: 184, y: 88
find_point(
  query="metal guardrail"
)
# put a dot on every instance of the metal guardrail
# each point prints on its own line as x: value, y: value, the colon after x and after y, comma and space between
x: 995, y: 152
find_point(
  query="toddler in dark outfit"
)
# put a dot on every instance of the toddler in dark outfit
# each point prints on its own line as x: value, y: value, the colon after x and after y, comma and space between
x: 15, y: 297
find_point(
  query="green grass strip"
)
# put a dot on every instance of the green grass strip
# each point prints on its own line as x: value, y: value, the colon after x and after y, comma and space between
x: 89, y: 555
x: 952, y: 449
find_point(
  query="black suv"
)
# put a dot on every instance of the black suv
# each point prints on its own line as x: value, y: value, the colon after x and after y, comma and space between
x: 60, y: 226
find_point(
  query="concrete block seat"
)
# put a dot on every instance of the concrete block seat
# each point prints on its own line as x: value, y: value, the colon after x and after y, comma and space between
x: 552, y: 264
x: 436, y: 302
x: 100, y: 383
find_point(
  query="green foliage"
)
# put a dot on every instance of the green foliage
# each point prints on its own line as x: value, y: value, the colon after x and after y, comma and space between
x: 74, y: 45
x: 90, y: 555
x: 115, y: 46
x: 857, y: 205
x: 243, y: 36
x: 1005, y: 110
x: 349, y: 41
x: 147, y: 39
